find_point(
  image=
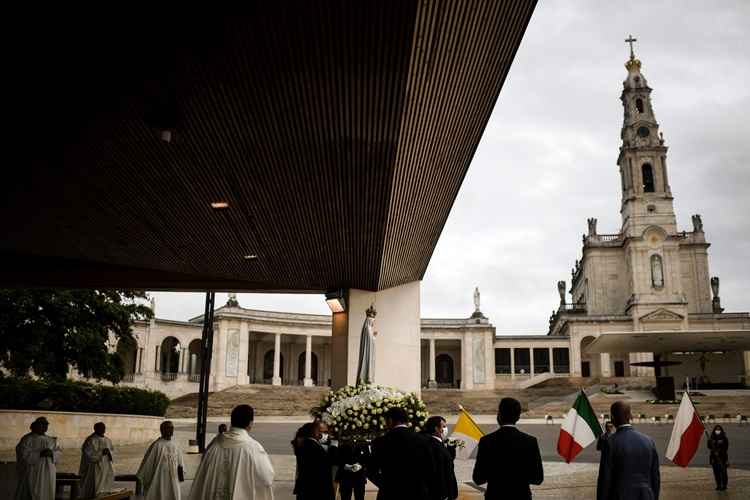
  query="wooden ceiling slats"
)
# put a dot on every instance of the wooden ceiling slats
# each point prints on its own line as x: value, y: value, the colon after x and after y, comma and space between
x: 338, y: 132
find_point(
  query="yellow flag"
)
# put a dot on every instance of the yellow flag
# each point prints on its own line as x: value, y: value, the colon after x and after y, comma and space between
x: 468, y: 431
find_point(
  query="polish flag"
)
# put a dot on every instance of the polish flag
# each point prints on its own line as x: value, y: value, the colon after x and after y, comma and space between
x: 686, y: 433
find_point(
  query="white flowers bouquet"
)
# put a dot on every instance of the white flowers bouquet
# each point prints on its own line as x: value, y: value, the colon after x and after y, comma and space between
x: 356, y: 413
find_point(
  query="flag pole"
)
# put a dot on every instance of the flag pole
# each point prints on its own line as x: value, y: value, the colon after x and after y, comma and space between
x: 687, y: 393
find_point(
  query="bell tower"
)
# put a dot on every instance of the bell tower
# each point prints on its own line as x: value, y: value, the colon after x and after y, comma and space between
x: 646, y: 195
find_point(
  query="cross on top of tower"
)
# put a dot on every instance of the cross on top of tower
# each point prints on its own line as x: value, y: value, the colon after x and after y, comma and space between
x: 630, y: 40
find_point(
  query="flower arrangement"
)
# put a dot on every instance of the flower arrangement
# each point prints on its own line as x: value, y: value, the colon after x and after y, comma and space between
x: 356, y: 412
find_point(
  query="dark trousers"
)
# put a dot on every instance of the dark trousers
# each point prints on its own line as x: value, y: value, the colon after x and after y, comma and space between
x: 720, y: 473
x: 347, y: 487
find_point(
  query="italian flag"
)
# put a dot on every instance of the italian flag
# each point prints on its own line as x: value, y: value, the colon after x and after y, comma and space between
x: 686, y: 433
x: 579, y: 429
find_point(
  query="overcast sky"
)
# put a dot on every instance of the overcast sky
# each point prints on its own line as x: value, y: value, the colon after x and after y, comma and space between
x: 547, y: 160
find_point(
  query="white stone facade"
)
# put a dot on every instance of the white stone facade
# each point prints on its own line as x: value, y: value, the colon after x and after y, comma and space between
x: 245, y: 342
x: 649, y: 276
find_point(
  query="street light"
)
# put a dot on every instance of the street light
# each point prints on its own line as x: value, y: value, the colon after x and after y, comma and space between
x: 335, y: 300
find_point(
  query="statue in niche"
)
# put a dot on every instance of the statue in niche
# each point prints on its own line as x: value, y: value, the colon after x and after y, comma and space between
x: 366, y: 365
x: 697, y: 223
x: 561, y: 291
x: 592, y: 226
x: 657, y: 272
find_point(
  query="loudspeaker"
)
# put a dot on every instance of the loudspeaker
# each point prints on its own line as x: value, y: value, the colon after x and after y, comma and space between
x: 665, y: 389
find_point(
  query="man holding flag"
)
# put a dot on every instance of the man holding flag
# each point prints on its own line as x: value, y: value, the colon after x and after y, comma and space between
x: 508, y: 459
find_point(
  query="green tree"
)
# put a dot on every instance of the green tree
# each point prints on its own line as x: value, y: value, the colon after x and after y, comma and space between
x: 51, y: 330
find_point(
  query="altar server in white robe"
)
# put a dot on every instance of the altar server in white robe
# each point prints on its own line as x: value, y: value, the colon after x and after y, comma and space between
x: 161, y: 470
x: 36, y: 456
x: 236, y: 466
x: 96, y: 469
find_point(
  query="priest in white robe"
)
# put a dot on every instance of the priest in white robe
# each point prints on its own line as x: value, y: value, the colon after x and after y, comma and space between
x: 96, y: 469
x: 36, y: 456
x: 161, y: 470
x: 236, y: 466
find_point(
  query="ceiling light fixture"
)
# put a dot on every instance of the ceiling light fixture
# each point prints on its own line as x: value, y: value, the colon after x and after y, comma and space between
x: 335, y: 300
x: 218, y: 205
x: 251, y: 256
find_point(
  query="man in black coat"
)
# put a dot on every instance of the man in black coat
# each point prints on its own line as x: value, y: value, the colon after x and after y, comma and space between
x: 314, y: 479
x: 443, y: 484
x: 401, y: 464
x: 351, y: 460
x: 508, y: 460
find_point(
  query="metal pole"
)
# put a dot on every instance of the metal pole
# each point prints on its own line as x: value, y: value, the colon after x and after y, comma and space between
x: 207, y: 341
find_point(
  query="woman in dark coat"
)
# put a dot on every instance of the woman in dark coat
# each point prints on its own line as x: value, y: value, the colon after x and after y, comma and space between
x: 718, y: 444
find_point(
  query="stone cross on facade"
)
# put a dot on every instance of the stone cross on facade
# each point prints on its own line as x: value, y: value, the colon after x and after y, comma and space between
x: 630, y: 40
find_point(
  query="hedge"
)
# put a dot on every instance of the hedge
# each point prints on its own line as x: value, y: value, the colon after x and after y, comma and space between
x: 68, y: 395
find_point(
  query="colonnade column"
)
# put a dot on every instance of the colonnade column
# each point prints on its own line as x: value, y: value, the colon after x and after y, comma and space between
x: 551, y: 362
x: 531, y: 361
x: 276, y: 380
x: 308, y: 382
x: 512, y: 362
x: 138, y: 355
x: 431, y: 382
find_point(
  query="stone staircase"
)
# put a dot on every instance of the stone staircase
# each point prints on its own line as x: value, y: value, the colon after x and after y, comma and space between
x: 547, y: 396
x: 267, y: 400
x: 557, y: 391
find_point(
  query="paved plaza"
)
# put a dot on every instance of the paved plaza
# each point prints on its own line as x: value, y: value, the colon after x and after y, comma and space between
x: 562, y: 481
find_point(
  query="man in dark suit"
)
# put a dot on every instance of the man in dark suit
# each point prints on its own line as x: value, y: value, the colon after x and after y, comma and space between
x: 443, y: 484
x: 314, y: 479
x: 631, y: 470
x: 508, y: 460
x: 401, y: 464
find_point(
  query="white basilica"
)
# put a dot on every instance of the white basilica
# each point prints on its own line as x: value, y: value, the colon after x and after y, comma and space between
x: 641, y: 295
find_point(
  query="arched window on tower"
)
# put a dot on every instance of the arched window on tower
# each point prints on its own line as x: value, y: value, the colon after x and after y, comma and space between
x: 647, y: 173
x: 639, y: 105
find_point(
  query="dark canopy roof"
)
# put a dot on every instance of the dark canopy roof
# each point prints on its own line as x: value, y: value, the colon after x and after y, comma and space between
x: 338, y: 133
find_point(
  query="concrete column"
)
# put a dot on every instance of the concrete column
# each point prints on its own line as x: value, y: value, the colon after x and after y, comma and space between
x: 157, y: 361
x: 340, y: 349
x: 531, y: 361
x: 431, y: 382
x: 308, y: 382
x: 551, y: 361
x: 276, y: 360
x: 512, y: 362
x: 138, y: 354
x: 397, y: 345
